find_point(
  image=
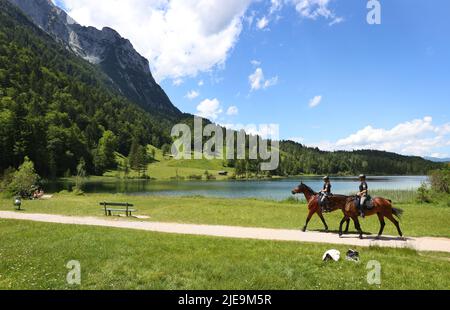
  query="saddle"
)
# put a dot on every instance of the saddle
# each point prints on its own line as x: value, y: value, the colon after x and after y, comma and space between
x: 326, y: 205
x: 368, y: 204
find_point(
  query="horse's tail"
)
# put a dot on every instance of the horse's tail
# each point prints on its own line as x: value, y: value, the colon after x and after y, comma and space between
x: 397, y: 212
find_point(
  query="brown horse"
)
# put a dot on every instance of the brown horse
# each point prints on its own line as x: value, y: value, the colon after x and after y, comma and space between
x: 335, y: 202
x: 381, y: 207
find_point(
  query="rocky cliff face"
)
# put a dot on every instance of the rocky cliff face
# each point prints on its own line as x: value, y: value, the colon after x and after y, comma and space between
x: 129, y: 71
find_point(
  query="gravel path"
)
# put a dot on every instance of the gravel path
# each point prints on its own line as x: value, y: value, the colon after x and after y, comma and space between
x: 419, y: 244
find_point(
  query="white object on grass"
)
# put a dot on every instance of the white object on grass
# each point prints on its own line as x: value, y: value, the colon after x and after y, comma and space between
x: 332, y: 254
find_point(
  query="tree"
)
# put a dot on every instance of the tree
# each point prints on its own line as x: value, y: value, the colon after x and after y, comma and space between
x: 104, y: 156
x: 25, y: 180
x: 440, y: 180
x: 81, y: 175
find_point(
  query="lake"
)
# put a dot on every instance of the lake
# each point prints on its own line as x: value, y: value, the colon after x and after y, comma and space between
x: 266, y: 189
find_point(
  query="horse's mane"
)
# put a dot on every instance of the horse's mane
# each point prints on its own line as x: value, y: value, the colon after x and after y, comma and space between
x: 310, y: 189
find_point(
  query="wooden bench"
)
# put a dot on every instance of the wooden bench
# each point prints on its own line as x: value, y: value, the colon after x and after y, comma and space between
x: 111, y: 207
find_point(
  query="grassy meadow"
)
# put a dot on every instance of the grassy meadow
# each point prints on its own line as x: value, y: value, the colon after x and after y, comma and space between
x: 34, y: 256
x: 164, y: 167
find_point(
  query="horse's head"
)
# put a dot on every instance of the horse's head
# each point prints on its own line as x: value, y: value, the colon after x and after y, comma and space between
x: 300, y: 189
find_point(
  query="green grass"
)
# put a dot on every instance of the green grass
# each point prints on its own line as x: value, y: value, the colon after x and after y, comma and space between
x: 34, y: 256
x: 418, y: 220
x: 165, y: 167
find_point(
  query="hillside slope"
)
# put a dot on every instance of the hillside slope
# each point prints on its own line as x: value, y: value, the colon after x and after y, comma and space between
x: 129, y: 71
x: 55, y: 107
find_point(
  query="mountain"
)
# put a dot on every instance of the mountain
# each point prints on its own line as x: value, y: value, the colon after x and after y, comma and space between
x: 127, y: 69
x: 60, y: 110
x: 438, y: 160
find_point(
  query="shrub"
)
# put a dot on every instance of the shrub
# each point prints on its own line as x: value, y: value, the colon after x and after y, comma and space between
x: 440, y: 180
x: 194, y: 177
x: 24, y: 180
x: 423, y: 194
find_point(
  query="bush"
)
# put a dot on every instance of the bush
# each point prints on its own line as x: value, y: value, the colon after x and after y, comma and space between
x: 24, y: 180
x: 423, y: 194
x: 440, y: 180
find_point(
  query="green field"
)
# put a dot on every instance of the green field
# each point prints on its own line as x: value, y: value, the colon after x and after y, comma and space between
x: 34, y: 256
x: 164, y: 167
x: 418, y: 220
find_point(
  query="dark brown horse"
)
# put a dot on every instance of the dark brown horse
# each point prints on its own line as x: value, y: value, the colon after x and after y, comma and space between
x: 381, y: 207
x: 335, y: 202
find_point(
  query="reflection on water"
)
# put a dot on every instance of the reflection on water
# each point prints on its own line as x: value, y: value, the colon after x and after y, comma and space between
x: 268, y: 189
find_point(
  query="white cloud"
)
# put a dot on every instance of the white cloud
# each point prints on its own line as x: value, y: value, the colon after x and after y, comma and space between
x: 233, y: 110
x: 209, y: 108
x: 177, y: 82
x: 258, y: 81
x: 179, y: 37
x: 275, y: 6
x: 255, y: 63
x: 297, y: 139
x: 265, y: 131
x: 314, y: 102
x: 262, y: 23
x: 271, y: 82
x: 192, y: 94
x: 314, y: 8
x: 201, y: 83
x: 417, y: 137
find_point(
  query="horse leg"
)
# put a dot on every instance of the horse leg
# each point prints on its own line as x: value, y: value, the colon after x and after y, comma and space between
x: 396, y: 223
x: 348, y: 226
x: 310, y: 214
x: 382, y: 224
x: 323, y: 220
x: 345, y: 218
x: 358, y: 226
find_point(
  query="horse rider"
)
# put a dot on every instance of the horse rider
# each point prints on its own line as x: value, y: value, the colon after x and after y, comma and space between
x: 325, y: 192
x: 362, y: 194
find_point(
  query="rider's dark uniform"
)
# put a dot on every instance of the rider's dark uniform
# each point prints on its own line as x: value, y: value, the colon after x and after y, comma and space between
x: 325, y: 193
x: 363, y: 197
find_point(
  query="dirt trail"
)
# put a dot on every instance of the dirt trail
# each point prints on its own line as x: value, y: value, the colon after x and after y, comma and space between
x: 419, y: 244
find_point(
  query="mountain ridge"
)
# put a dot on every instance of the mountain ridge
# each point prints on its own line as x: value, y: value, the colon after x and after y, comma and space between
x: 128, y: 70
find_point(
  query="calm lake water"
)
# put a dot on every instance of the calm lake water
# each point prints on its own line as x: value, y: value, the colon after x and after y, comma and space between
x: 267, y: 189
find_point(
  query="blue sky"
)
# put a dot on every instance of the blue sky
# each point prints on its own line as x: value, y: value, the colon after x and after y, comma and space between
x: 381, y: 86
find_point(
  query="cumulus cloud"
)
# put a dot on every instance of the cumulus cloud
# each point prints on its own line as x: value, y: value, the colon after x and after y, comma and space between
x: 177, y: 82
x: 233, y: 110
x: 309, y: 9
x: 262, y: 23
x: 314, y: 9
x: 417, y: 137
x: 179, y: 37
x: 192, y: 94
x: 258, y: 81
x: 314, y: 102
x: 255, y: 63
x: 297, y: 139
x: 209, y: 108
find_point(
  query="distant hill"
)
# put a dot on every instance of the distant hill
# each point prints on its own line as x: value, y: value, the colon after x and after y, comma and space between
x: 299, y: 159
x: 438, y: 160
